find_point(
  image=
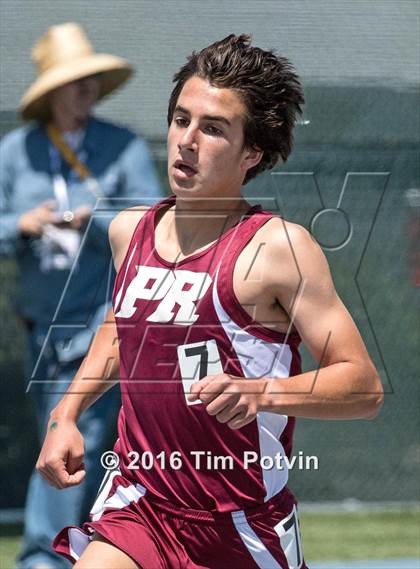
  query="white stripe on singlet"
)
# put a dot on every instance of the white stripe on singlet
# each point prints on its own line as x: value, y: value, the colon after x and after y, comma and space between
x: 119, y: 293
x: 105, y: 488
x: 122, y: 496
x: 259, y: 358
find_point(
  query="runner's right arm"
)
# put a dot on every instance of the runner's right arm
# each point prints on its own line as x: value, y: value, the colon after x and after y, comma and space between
x: 61, y: 458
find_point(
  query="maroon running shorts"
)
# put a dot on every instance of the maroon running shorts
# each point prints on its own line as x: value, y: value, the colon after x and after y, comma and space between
x: 158, y: 535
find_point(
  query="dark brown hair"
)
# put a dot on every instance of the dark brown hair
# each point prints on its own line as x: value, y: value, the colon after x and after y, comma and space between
x: 267, y: 85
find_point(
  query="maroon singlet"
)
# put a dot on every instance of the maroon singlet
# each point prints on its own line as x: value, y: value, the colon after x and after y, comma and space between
x: 178, y: 322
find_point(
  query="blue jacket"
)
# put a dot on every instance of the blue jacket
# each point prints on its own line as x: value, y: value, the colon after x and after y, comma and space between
x: 70, y: 303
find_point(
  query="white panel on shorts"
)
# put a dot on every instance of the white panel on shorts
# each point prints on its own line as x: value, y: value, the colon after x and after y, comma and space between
x: 290, y: 539
x: 252, y: 542
x: 78, y: 541
x: 259, y: 358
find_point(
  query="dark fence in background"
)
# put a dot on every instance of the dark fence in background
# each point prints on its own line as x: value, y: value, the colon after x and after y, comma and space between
x: 360, y: 143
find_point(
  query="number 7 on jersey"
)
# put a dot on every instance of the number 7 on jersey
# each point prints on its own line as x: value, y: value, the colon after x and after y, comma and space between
x: 196, y: 361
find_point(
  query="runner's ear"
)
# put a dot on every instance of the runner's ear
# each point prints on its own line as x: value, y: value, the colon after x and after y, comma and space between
x: 252, y: 157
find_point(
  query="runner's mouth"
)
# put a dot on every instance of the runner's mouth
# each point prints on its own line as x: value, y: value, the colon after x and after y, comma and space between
x: 185, y: 168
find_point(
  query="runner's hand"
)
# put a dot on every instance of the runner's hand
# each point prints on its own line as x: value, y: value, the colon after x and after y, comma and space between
x: 235, y: 401
x: 61, y: 459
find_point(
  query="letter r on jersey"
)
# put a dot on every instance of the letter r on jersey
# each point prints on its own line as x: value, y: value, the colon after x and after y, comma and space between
x: 174, y: 288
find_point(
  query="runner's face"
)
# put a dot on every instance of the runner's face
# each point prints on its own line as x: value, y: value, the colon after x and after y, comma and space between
x: 206, y: 157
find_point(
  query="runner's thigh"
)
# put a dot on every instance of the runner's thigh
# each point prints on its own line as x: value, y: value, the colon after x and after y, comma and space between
x: 101, y: 553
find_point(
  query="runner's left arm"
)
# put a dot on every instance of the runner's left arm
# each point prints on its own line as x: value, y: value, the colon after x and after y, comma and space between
x: 346, y: 384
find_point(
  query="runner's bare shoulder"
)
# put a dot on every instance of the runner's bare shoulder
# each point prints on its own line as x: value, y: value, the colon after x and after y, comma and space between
x: 121, y: 230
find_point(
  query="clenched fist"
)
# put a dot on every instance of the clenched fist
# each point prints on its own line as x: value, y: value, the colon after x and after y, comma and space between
x: 61, y: 459
x: 232, y: 400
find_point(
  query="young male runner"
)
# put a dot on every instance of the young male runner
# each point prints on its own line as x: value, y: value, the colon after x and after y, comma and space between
x: 211, y: 300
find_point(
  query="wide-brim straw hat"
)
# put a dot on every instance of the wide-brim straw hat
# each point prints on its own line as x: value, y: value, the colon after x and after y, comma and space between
x: 64, y: 54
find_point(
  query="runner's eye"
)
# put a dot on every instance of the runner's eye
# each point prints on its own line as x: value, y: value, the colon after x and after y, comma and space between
x: 181, y: 121
x: 213, y: 130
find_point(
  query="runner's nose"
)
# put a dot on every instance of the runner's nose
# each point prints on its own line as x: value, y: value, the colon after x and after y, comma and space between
x: 188, y: 141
